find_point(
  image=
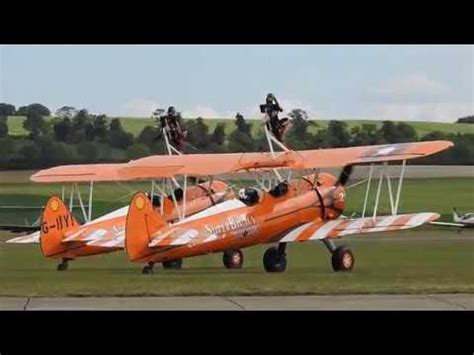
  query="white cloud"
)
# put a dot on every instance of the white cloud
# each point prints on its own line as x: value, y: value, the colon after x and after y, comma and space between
x: 202, y: 111
x: 417, y: 98
x: 438, y: 111
x: 289, y: 105
x: 139, y: 107
x: 411, y: 88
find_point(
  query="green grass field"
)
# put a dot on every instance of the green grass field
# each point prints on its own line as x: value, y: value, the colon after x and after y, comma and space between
x: 426, y: 260
x: 136, y: 124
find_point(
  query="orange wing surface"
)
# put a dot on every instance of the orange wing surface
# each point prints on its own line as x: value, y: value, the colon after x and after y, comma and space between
x: 214, y: 164
x: 78, y: 173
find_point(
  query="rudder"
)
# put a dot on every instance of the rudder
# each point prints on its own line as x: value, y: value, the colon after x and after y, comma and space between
x: 142, y: 222
x: 57, y: 222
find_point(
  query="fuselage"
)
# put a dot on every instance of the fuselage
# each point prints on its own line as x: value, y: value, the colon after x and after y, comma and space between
x: 110, y: 226
x: 242, y: 226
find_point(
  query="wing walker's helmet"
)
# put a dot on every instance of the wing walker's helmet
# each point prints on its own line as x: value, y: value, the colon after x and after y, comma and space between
x: 248, y: 195
x: 270, y: 98
x: 171, y: 110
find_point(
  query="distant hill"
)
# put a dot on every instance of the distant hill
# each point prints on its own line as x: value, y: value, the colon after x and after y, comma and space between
x: 136, y: 124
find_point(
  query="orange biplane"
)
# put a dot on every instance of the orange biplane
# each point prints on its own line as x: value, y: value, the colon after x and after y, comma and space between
x: 281, y: 210
x: 62, y: 237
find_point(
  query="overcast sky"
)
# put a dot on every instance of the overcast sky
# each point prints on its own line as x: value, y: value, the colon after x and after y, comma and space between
x: 433, y: 83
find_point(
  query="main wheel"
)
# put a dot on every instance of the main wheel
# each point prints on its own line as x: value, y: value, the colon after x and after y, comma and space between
x: 173, y: 264
x: 62, y: 266
x: 342, y: 259
x: 274, y: 260
x: 233, y: 259
x: 147, y: 270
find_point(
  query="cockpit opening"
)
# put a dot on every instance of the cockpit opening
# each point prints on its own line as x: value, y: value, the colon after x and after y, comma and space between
x: 280, y: 189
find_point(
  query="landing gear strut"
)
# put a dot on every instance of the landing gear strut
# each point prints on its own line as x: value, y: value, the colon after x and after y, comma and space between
x: 274, y: 259
x: 342, y: 258
x: 63, y: 265
x: 233, y: 259
x: 173, y: 264
x: 148, y: 269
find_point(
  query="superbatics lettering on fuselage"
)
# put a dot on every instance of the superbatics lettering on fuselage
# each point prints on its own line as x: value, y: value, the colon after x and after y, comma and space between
x: 233, y: 225
x: 61, y: 222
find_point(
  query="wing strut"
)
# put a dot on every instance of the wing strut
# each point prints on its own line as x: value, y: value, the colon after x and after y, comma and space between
x: 384, y: 173
x: 271, y: 139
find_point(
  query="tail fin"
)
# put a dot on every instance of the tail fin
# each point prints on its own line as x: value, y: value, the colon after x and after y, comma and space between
x: 455, y: 215
x: 142, y: 222
x: 57, y: 222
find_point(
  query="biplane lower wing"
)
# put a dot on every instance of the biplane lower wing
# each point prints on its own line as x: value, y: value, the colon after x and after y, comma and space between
x: 348, y: 226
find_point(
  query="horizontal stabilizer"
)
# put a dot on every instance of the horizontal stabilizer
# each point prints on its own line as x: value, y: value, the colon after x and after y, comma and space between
x: 115, y: 241
x: 32, y: 238
x: 174, y: 237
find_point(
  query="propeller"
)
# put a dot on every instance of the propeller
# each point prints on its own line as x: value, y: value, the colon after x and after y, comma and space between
x: 344, y: 176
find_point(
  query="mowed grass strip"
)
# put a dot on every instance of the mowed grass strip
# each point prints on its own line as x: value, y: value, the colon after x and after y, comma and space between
x: 428, y: 260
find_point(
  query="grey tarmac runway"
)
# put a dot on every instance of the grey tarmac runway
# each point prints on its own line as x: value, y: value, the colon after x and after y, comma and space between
x: 340, y: 302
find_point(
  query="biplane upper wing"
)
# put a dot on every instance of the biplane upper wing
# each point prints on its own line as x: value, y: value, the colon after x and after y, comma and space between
x: 214, y: 164
x: 88, y: 173
x: 346, y: 226
x: 78, y: 173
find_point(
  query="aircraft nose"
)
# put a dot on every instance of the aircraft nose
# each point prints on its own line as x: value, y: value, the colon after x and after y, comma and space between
x: 339, y: 198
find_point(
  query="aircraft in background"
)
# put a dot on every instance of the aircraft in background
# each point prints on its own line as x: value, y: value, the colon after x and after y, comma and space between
x: 461, y: 221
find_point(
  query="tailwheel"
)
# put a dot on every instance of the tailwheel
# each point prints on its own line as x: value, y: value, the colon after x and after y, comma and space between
x: 147, y: 269
x: 274, y: 260
x: 233, y: 259
x: 342, y: 259
x: 173, y: 264
x: 63, y: 265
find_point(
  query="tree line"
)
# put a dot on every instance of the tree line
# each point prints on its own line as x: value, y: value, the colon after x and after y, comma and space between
x: 78, y: 136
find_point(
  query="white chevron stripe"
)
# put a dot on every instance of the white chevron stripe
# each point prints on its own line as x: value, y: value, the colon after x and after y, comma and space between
x: 354, y: 227
x: 384, y: 223
x: 185, y: 238
x: 74, y: 235
x: 419, y: 219
x: 211, y: 238
x: 95, y: 234
x: 30, y: 238
x: 114, y: 243
x: 156, y: 240
x: 325, y: 229
x: 295, y: 233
